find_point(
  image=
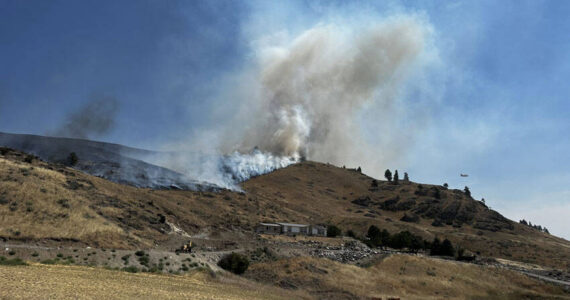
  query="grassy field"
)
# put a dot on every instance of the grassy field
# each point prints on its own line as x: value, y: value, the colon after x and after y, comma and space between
x: 64, y: 282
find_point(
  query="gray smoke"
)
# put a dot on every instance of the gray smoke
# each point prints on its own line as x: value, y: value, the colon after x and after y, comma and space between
x: 94, y: 119
x: 332, y: 93
x: 306, y: 96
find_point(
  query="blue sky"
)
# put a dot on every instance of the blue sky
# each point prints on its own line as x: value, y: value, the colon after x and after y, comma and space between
x: 502, y: 111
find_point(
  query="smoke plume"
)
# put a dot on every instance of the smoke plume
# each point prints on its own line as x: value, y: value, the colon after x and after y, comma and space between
x: 94, y: 119
x: 333, y: 93
x: 309, y: 93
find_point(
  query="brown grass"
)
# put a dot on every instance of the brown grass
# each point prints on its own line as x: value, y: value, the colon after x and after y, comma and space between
x: 65, y: 282
x: 403, y: 276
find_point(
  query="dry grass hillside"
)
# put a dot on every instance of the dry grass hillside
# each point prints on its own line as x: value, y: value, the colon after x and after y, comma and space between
x: 401, y: 276
x: 40, y: 201
x: 315, y: 192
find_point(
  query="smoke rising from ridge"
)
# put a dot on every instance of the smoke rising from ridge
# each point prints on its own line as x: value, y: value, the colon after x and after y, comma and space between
x: 95, y: 118
x: 332, y: 93
x: 309, y: 92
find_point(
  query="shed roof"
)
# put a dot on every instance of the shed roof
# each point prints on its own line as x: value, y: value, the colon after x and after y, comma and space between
x: 293, y: 225
x: 269, y: 224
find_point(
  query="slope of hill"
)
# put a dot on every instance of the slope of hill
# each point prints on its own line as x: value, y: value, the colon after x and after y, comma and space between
x: 111, y: 161
x: 46, y: 202
x: 315, y: 192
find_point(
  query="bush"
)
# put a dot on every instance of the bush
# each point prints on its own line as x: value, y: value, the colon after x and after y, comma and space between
x: 130, y: 269
x: 12, y: 262
x: 351, y: 233
x: 144, y: 260
x: 333, y: 231
x: 140, y: 253
x: 234, y: 263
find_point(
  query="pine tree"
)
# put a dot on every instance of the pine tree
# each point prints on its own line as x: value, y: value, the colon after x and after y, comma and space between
x: 467, y: 191
x: 406, y: 178
x: 396, y: 177
x: 388, y: 175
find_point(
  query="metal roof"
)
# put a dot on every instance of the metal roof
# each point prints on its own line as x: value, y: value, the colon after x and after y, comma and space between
x: 293, y: 225
x: 269, y: 224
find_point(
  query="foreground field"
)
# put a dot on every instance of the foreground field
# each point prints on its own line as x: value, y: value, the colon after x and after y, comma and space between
x: 72, y: 282
x: 400, y: 276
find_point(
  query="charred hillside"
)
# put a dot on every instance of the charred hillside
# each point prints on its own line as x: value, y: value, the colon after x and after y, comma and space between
x: 113, y: 162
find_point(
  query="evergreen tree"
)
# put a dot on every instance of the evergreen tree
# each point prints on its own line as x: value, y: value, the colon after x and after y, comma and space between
x: 445, y: 185
x: 333, y: 231
x: 467, y: 191
x: 72, y: 159
x: 388, y: 175
x: 374, y: 236
x: 385, y: 237
x: 447, y: 248
x: 396, y: 177
x: 406, y: 178
x: 435, y: 247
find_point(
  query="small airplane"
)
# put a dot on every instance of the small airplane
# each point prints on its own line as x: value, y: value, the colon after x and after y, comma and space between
x: 463, y: 175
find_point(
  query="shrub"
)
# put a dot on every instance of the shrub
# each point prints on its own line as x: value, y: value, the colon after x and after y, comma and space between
x: 131, y: 269
x: 12, y: 262
x: 64, y: 203
x: 12, y: 252
x: 140, y: 253
x: 126, y: 259
x: 144, y: 260
x: 333, y: 231
x: 35, y: 254
x: 49, y: 262
x: 351, y: 233
x: 234, y: 263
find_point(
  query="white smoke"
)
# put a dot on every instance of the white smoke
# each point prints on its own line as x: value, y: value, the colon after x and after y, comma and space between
x: 306, y: 96
x: 308, y: 93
